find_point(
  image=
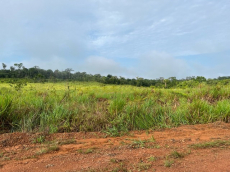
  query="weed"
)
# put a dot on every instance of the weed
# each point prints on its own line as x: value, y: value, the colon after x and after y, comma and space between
x: 49, y: 149
x: 87, y: 151
x: 66, y: 142
x: 121, y: 168
x: 1, y: 154
x: 39, y: 139
x: 116, y: 131
x: 152, y: 158
x: 18, y: 84
x: 113, y: 160
x: 143, y: 166
x: 176, y: 154
x: 116, y: 160
x: 152, y: 139
x: 213, y: 144
x: 53, y: 148
x: 168, y: 163
x: 113, y: 132
x: 158, y: 146
x: 138, y: 143
x: 123, y: 143
x: 6, y: 158
x: 188, y: 152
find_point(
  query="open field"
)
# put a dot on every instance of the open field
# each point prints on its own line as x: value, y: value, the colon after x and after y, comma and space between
x: 113, y: 128
x: 114, y: 86
x: 79, y: 106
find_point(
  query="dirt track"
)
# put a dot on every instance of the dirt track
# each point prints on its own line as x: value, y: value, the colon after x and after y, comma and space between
x: 166, y: 150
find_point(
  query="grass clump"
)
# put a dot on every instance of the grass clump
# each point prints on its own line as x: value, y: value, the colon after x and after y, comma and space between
x: 87, y: 151
x: 213, y: 144
x: 39, y: 139
x: 143, y: 166
x: 168, y: 163
x: 120, y: 168
x: 113, y: 132
x: 49, y: 149
x: 67, y: 142
x: 138, y: 143
x: 113, y: 160
x: 6, y: 158
x: 176, y: 154
x: 152, y: 159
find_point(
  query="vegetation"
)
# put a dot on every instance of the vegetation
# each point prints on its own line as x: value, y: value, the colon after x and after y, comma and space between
x: 87, y: 151
x: 143, y: 166
x: 37, y: 75
x: 49, y: 149
x: 168, y: 163
x: 152, y: 158
x: 81, y: 106
x: 39, y: 139
x: 176, y: 154
x: 33, y: 100
x: 213, y: 144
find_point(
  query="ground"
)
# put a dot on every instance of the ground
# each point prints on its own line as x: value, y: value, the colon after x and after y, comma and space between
x: 185, y: 148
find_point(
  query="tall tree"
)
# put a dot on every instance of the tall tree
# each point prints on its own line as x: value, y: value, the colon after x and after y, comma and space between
x: 4, y: 66
x: 20, y: 66
x: 12, y: 68
x: 69, y: 70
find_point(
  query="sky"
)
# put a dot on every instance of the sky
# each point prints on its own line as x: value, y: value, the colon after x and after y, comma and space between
x: 131, y: 38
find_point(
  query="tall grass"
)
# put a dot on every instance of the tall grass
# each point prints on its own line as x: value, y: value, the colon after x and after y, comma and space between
x: 79, y: 106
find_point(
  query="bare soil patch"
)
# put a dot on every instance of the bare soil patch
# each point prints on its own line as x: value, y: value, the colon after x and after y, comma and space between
x: 186, y: 148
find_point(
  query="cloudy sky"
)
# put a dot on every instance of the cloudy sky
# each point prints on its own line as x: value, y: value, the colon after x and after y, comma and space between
x: 144, y: 38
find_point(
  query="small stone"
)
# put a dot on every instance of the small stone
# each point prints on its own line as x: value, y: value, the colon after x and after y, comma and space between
x: 49, y: 165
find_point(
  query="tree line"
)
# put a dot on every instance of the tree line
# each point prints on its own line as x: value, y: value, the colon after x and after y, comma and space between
x: 36, y: 74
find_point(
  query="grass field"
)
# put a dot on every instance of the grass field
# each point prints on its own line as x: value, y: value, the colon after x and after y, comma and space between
x: 79, y: 106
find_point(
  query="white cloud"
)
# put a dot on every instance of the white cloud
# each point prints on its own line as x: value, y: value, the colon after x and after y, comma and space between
x: 53, y: 63
x: 99, y: 33
x: 160, y: 64
x: 104, y: 66
x: 203, y: 46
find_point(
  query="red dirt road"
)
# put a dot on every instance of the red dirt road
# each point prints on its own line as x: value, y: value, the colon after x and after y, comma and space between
x: 166, y: 150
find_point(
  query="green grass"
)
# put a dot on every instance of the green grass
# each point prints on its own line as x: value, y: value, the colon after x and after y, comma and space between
x: 152, y: 159
x: 120, y: 168
x: 66, y: 142
x: 138, y: 143
x: 52, y: 107
x: 176, y: 154
x: 168, y: 163
x: 48, y: 149
x: 213, y: 144
x: 86, y: 151
x: 143, y: 166
x: 39, y: 139
x: 113, y: 160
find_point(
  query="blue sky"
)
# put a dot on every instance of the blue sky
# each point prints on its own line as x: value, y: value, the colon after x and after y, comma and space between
x: 132, y: 38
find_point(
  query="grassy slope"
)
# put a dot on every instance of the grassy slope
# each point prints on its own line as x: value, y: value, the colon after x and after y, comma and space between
x: 79, y: 106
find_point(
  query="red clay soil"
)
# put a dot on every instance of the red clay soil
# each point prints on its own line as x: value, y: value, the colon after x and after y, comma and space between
x: 176, y: 149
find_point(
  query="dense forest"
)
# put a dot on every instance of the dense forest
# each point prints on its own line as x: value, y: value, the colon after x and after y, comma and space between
x: 36, y: 74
